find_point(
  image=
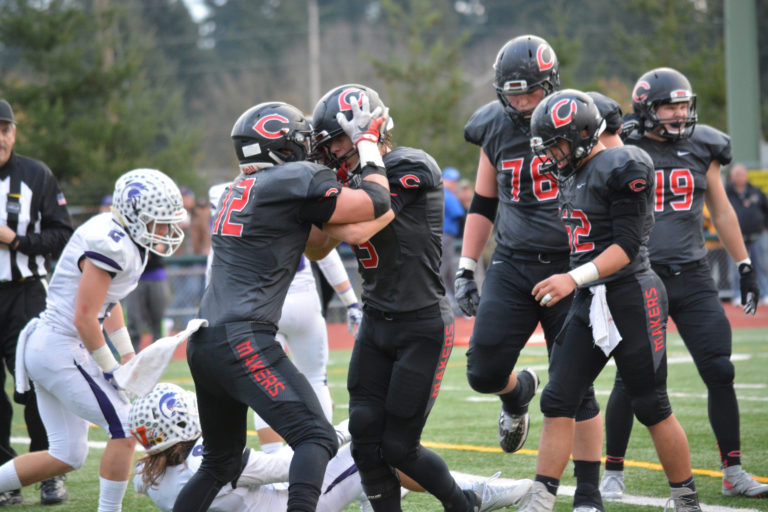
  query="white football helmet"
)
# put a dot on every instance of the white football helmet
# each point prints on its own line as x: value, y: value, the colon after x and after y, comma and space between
x: 147, y: 196
x: 167, y: 415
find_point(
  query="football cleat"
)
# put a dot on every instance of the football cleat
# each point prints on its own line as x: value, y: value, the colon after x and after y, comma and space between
x: 612, y: 485
x: 53, y: 491
x: 9, y: 498
x: 513, y: 428
x: 683, y: 502
x: 743, y: 484
x: 496, y: 493
x: 538, y: 499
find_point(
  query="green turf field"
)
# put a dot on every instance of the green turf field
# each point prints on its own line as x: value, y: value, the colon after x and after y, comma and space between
x: 462, y: 428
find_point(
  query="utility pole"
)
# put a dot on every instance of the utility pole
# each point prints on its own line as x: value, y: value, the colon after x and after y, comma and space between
x: 314, y: 52
x: 742, y: 81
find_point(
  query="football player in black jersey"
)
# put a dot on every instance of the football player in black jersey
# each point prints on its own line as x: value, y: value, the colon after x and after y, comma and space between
x: 532, y: 244
x: 687, y: 157
x: 263, y: 225
x: 619, y: 308
x: 407, y: 332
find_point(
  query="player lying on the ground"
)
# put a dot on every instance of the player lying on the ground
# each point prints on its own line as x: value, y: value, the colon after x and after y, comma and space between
x: 166, y: 423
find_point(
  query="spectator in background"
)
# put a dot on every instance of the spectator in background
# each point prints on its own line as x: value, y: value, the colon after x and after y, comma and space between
x: 453, y: 222
x: 106, y: 203
x: 34, y: 227
x: 751, y: 206
x: 145, y: 306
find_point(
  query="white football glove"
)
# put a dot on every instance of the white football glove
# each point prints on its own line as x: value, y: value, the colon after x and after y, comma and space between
x: 354, y: 317
x: 364, y: 124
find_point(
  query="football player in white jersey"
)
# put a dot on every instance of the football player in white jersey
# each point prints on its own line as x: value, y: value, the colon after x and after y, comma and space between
x: 64, y: 351
x: 166, y: 423
x: 302, y: 327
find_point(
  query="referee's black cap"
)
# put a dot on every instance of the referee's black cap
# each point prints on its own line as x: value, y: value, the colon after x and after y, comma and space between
x: 6, y: 112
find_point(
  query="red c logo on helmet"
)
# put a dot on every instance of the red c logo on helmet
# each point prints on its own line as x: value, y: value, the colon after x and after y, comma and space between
x: 641, y: 91
x: 344, y: 103
x: 559, y: 120
x: 261, y: 129
x: 545, y: 57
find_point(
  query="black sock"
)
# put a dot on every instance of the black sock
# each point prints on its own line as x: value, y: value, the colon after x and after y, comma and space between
x: 511, y: 402
x: 550, y: 483
x: 587, y: 475
x: 689, y: 483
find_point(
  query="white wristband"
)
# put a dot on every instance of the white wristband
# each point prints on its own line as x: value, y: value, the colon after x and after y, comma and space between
x: 368, y: 153
x: 748, y: 261
x: 585, y: 274
x: 467, y: 263
x: 348, y: 296
x: 122, y: 341
x: 104, y: 358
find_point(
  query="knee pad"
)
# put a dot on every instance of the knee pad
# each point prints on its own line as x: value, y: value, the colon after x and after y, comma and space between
x: 588, y: 408
x: 554, y: 405
x: 73, y: 454
x: 717, y: 372
x: 364, y: 419
x: 485, y: 378
x: 377, y: 477
x: 396, y: 450
x: 223, y: 467
x: 653, y: 407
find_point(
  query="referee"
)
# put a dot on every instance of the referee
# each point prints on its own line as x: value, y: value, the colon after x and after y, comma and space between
x: 34, y: 227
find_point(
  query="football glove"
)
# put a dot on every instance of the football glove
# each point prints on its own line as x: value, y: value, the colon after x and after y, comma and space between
x: 466, y: 294
x: 750, y: 292
x: 365, y: 124
x: 354, y: 317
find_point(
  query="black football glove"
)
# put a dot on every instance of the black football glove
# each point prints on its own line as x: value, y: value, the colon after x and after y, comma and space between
x: 750, y: 292
x: 466, y: 291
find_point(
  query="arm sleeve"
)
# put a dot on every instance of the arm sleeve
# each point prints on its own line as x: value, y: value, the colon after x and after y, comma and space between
x: 55, y: 224
x: 403, y: 198
x: 333, y: 268
x: 630, y: 187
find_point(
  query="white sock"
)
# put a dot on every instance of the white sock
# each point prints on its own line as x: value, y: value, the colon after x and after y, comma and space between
x: 9, y: 479
x: 271, y: 447
x: 111, y: 495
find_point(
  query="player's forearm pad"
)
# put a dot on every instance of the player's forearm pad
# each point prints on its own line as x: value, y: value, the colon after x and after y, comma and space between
x: 122, y: 341
x: 379, y: 197
x: 104, y: 358
x: 485, y: 206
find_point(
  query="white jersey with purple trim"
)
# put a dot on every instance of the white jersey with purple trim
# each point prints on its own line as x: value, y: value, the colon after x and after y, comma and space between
x: 106, y: 244
x: 341, y: 485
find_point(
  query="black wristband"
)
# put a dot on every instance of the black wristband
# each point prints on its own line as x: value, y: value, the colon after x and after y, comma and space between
x: 14, y: 245
x: 373, y: 169
x: 465, y: 272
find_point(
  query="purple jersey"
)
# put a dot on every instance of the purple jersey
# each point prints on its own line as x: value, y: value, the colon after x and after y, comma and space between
x: 528, y: 218
x: 258, y: 238
x: 586, y: 198
x: 681, y: 183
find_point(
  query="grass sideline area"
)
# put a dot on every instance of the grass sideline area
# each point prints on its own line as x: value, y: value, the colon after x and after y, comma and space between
x: 462, y: 429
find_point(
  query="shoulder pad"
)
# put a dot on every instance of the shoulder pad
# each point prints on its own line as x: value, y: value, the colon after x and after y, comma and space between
x: 106, y: 247
x: 631, y: 170
x: 718, y: 143
x: 482, y: 122
x: 410, y: 168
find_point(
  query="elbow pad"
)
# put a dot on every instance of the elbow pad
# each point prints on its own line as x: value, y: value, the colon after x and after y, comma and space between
x: 379, y: 197
x: 485, y: 206
x: 628, y: 220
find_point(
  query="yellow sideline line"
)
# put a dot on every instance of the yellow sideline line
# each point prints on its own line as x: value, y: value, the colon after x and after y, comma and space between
x: 627, y: 462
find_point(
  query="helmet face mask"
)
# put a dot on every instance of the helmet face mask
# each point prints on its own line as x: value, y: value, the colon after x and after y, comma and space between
x: 271, y: 133
x: 164, y: 417
x: 664, y: 86
x: 524, y: 65
x: 148, y: 204
x: 326, y: 128
x: 565, y: 128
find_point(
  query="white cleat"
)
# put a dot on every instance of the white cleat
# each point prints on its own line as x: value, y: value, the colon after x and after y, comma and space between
x: 496, y: 493
x: 612, y: 485
x: 742, y: 484
x: 538, y: 499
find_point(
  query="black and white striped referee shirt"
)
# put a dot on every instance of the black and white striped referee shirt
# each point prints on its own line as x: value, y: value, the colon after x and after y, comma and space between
x: 32, y: 205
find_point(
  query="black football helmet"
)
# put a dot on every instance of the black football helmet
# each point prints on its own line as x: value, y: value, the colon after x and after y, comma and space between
x: 568, y: 115
x: 272, y: 133
x: 658, y: 87
x: 326, y: 128
x: 610, y: 110
x: 524, y: 64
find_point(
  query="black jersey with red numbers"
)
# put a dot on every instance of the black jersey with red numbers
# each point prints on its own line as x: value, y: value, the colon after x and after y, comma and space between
x: 400, y: 264
x: 586, y: 197
x: 527, y: 218
x: 681, y: 183
x: 258, y: 238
